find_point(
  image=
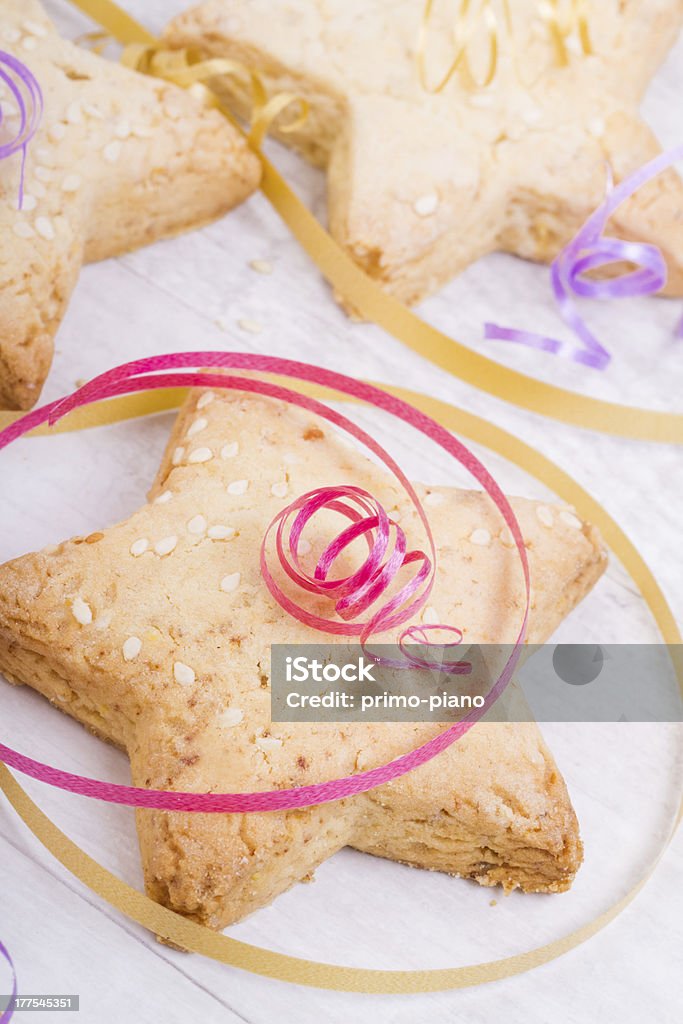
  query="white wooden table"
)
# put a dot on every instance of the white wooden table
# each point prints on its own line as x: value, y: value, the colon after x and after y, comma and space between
x: 191, y: 293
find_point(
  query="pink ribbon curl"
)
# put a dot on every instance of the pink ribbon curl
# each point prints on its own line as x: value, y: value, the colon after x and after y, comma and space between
x: 590, y: 250
x: 145, y: 374
x: 356, y: 594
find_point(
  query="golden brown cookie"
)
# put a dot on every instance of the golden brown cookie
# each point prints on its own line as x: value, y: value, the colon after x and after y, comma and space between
x: 119, y: 160
x: 156, y: 633
x: 422, y: 184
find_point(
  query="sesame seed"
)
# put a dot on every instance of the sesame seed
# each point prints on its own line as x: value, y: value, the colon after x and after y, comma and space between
x: 74, y: 114
x: 230, y: 583
x: 424, y: 206
x: 506, y: 538
x: 28, y: 203
x: 71, y: 183
x: 172, y: 112
x: 238, y: 487
x: 220, y: 532
x: 430, y: 616
x: 570, y: 519
x: 304, y: 547
x: 266, y: 743
x: 196, y: 428
x: 434, y: 498
x: 596, y: 127
x: 12, y: 35
x: 166, y: 545
x: 205, y: 399
x: 231, y: 717
x: 532, y: 115
x: 279, y: 490
x: 22, y: 229
x: 138, y: 547
x: 81, y: 611
x: 35, y: 28
x: 42, y: 174
x: 261, y: 266
x: 480, y: 537
x: 142, y: 131
x: 163, y: 498
x: 122, y: 130
x: 29, y: 42
x: 46, y: 156
x: 197, y: 525
x: 112, y: 151
x: 131, y: 648
x: 200, y: 455
x: 251, y: 326
x: 56, y: 132
x: 177, y: 457
x: 545, y: 515
x: 44, y: 228
x: 229, y: 451
x: 183, y: 674
x: 92, y: 111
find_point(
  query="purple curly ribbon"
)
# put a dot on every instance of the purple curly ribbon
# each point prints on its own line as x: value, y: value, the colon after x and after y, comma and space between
x: 588, y: 250
x: 9, y: 1012
x: 29, y: 99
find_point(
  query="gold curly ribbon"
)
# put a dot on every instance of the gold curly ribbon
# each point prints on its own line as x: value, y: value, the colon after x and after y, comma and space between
x: 467, y: 23
x: 199, y: 939
x: 561, y: 27
x: 186, y: 68
x: 473, y: 16
x: 372, y: 303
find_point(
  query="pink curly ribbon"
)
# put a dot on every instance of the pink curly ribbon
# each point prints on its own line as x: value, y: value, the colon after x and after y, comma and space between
x: 355, y: 594
x: 143, y: 375
x: 8, y: 1013
x: 29, y: 99
x: 588, y: 250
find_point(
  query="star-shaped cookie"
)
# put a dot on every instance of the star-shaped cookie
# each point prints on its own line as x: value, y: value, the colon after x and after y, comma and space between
x: 156, y: 634
x: 421, y: 184
x: 119, y: 160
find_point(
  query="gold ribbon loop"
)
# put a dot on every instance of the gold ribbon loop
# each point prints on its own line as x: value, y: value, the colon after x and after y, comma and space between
x: 561, y: 27
x: 473, y: 16
x: 466, y: 25
x: 265, y: 114
x: 187, y: 69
